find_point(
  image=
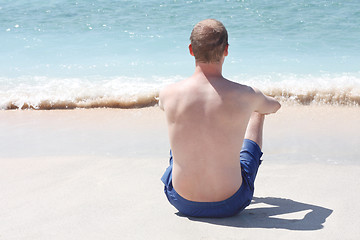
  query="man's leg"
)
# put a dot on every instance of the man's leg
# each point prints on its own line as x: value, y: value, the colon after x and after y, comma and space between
x: 254, y: 130
x: 251, y: 150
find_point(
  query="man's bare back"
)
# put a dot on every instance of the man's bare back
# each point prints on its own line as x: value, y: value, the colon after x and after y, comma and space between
x: 207, y: 118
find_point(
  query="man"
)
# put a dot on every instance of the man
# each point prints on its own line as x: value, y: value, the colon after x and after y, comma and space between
x: 208, y: 118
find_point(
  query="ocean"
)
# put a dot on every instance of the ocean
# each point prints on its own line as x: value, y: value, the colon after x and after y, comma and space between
x: 118, y: 54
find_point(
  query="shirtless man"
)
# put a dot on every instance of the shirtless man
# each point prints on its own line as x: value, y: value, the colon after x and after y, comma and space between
x: 208, y: 118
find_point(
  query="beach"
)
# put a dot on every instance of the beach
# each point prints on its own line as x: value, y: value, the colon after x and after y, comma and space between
x: 95, y: 174
x: 83, y: 143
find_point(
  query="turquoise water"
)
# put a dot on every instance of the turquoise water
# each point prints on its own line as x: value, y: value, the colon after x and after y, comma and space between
x: 97, y: 51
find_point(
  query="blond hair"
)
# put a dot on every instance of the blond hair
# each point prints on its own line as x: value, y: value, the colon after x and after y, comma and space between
x: 209, y: 39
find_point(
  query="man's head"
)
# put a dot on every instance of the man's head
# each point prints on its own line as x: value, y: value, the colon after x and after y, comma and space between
x: 209, y: 39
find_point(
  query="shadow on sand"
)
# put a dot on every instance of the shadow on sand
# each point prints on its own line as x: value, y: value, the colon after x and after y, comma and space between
x: 275, y: 213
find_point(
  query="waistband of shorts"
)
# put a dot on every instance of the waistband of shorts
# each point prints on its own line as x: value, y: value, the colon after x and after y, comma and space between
x: 228, y: 201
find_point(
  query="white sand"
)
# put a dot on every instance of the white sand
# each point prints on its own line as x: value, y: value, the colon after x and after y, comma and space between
x: 95, y: 174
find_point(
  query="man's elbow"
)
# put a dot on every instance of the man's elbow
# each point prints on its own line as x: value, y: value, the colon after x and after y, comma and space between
x: 273, y: 107
x: 277, y: 106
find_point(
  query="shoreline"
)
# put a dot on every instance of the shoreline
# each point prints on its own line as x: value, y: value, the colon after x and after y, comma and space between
x: 295, y: 133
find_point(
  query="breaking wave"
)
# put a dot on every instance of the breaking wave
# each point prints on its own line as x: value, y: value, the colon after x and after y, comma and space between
x: 42, y: 93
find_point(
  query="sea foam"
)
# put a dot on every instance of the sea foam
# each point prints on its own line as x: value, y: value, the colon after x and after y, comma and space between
x: 124, y: 92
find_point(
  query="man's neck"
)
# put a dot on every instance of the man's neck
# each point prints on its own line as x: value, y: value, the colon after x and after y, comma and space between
x: 210, y: 70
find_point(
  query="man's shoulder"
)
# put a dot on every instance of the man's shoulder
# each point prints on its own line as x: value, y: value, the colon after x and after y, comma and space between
x: 169, y: 92
x: 239, y: 88
x: 169, y: 89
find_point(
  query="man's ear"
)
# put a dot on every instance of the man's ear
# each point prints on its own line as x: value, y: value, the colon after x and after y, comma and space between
x: 226, y: 51
x: 191, y: 50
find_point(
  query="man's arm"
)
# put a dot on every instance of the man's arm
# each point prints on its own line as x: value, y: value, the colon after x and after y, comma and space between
x: 162, y: 96
x: 265, y: 104
x: 160, y: 104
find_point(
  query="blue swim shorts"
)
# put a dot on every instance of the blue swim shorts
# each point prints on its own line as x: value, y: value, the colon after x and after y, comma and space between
x: 249, y: 160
